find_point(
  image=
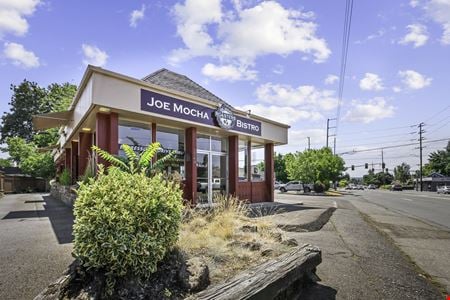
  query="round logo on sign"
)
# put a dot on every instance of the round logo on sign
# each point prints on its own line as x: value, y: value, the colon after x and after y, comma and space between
x: 225, y: 117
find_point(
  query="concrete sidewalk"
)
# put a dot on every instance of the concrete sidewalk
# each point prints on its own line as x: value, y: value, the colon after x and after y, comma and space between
x: 36, y: 244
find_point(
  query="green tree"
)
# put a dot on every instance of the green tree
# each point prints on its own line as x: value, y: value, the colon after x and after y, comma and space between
x: 439, y: 161
x: 19, y: 149
x: 5, y: 162
x: 280, y: 167
x: 402, y: 173
x: 314, y: 165
x: 26, y: 101
x: 39, y: 165
x: 30, y: 99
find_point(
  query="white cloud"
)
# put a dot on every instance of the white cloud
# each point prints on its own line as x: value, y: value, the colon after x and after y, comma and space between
x: 374, y: 109
x: 331, y: 79
x: 282, y: 114
x: 137, y: 15
x: 439, y: 10
x: 304, y: 96
x: 243, y: 34
x: 20, y: 56
x: 397, y: 89
x: 371, y: 82
x: 93, y: 55
x: 12, y: 16
x: 414, y: 3
x: 414, y: 80
x: 228, y: 72
x: 417, y: 35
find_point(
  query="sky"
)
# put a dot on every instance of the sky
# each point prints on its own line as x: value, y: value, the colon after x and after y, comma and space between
x: 279, y: 59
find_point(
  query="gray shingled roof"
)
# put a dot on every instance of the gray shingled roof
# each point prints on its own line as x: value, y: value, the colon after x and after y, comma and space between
x: 181, y: 83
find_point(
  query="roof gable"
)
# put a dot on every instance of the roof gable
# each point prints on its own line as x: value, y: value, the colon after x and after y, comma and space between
x: 181, y: 83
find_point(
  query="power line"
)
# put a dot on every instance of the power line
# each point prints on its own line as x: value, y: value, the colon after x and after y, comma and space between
x: 344, y: 55
x: 438, y: 113
x: 383, y: 129
x: 439, y: 127
x: 394, y: 146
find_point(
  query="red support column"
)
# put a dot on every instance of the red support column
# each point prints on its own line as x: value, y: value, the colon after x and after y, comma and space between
x: 107, y: 134
x: 190, y: 189
x: 154, y: 158
x: 68, y: 159
x: 249, y: 170
x: 233, y: 164
x: 269, y: 170
x: 74, y: 162
x: 84, y: 151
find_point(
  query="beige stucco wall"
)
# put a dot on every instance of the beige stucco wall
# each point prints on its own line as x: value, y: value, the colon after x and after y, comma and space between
x: 125, y: 95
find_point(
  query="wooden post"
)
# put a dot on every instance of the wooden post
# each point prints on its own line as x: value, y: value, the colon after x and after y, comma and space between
x: 191, y: 165
x: 269, y: 170
x: 233, y: 164
x: 84, y: 151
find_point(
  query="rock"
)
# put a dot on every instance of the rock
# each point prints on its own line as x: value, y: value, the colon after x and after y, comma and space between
x: 252, y: 246
x: 249, y: 228
x: 290, y: 242
x: 266, y: 252
x: 194, y: 275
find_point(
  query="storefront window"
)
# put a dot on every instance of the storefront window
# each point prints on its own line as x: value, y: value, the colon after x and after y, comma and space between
x: 136, y: 135
x: 212, y: 143
x: 257, y: 165
x: 171, y: 140
x: 203, y: 142
x: 243, y: 159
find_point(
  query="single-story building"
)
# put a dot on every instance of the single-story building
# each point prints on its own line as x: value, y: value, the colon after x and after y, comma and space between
x: 13, y: 180
x: 219, y: 149
x: 432, y: 182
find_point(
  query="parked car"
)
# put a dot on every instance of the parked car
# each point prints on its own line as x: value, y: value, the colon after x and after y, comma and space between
x: 443, y: 190
x: 277, y: 185
x: 295, y: 186
x: 396, y: 187
x: 371, y: 187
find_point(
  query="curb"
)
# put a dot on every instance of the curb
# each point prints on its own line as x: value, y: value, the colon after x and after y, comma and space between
x: 315, y: 225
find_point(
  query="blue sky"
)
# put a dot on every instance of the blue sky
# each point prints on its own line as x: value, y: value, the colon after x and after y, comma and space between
x: 277, y: 58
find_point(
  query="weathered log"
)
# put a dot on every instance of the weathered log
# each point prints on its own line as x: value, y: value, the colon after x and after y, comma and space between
x: 274, y: 279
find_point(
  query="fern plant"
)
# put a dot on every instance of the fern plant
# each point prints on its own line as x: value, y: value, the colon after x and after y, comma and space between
x: 136, y: 162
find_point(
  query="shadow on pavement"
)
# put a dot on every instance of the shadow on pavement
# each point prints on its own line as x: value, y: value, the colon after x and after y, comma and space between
x: 273, y: 208
x: 60, y: 216
x: 319, y: 292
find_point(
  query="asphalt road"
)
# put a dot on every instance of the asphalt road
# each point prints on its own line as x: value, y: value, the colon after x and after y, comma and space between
x: 429, y: 207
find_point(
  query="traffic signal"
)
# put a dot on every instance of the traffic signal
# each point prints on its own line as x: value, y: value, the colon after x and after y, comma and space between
x: 366, y: 165
x: 353, y: 168
x: 387, y: 170
x: 373, y: 170
x: 383, y: 165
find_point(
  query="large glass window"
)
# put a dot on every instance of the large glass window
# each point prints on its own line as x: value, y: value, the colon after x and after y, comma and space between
x: 136, y: 135
x: 243, y: 159
x: 212, y: 143
x: 257, y: 159
x: 171, y: 140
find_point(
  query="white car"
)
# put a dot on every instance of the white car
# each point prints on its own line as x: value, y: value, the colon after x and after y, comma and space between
x: 443, y: 190
x: 277, y: 185
x: 294, y: 186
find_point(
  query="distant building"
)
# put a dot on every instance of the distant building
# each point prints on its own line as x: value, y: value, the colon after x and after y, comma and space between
x: 13, y: 180
x: 432, y: 182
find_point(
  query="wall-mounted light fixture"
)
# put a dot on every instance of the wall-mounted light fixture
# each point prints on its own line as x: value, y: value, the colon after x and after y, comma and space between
x: 86, y: 129
x: 104, y: 109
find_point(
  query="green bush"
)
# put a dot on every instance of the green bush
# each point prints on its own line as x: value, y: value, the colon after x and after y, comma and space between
x: 319, y: 187
x: 65, y: 178
x: 385, y: 187
x: 125, y: 223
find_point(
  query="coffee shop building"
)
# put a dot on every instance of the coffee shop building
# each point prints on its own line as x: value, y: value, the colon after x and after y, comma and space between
x: 218, y: 149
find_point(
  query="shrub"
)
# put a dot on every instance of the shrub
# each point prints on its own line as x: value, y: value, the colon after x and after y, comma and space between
x: 65, y: 178
x: 125, y: 223
x: 319, y: 187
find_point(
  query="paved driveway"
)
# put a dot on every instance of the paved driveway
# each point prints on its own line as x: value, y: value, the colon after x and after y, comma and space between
x: 35, y: 243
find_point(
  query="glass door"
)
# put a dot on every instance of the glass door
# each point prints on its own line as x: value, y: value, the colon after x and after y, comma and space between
x: 203, y: 178
x: 218, y: 174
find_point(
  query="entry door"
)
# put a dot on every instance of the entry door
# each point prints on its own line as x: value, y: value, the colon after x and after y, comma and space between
x: 211, y: 176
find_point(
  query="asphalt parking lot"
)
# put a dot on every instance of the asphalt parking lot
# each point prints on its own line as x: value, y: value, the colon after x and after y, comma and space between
x: 36, y: 244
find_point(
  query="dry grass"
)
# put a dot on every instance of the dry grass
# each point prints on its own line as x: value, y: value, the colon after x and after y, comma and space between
x: 218, y: 237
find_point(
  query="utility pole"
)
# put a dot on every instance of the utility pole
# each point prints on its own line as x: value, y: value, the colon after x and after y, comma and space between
x: 334, y: 146
x: 309, y: 143
x: 420, y: 149
x: 382, y: 160
x: 328, y: 129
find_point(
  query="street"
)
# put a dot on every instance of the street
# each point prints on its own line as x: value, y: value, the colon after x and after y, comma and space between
x: 429, y: 207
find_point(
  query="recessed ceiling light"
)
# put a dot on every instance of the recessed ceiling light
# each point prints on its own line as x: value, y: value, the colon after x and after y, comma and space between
x: 104, y: 109
x: 87, y: 129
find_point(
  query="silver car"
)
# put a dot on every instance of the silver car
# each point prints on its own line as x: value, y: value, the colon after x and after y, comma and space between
x: 294, y: 186
x: 443, y: 190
